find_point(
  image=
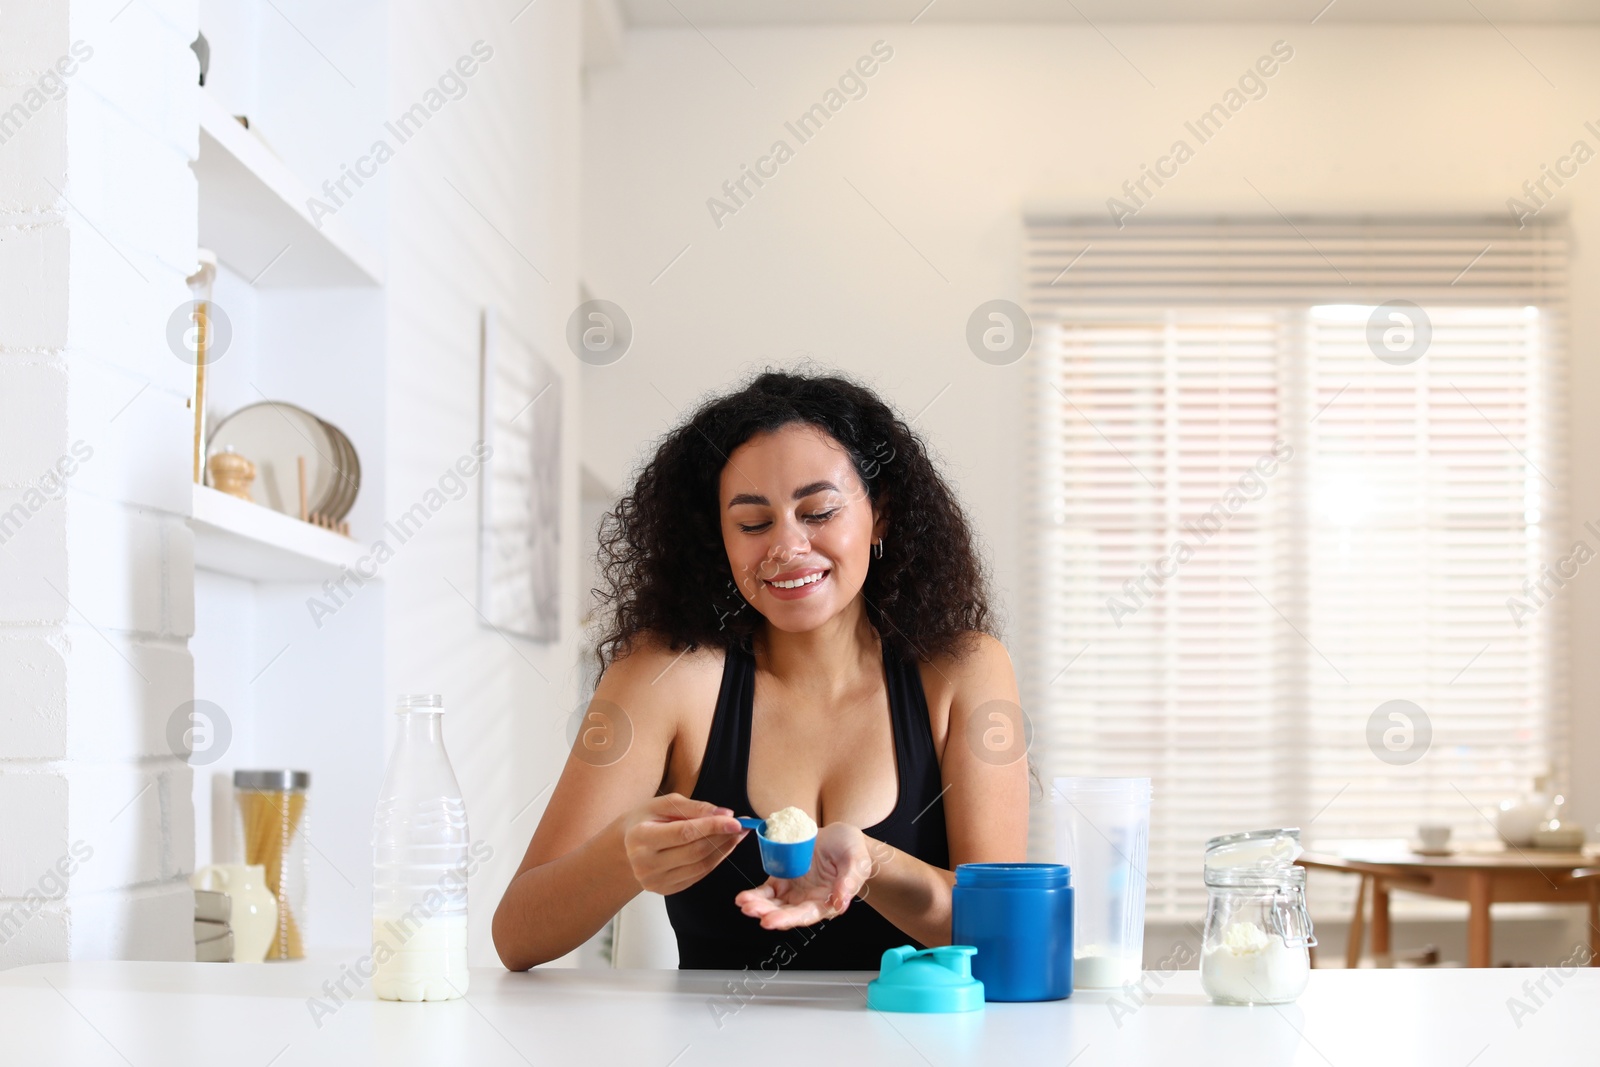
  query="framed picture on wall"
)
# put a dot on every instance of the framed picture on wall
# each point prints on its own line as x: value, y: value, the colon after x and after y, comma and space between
x: 519, y: 499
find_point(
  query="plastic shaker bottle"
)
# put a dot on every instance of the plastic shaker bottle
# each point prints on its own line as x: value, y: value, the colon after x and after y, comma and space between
x: 419, y: 864
x: 1103, y: 835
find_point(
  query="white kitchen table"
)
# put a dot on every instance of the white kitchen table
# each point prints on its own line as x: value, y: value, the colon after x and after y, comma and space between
x: 251, y: 1015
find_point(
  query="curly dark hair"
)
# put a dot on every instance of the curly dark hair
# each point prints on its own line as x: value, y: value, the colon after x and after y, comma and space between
x: 665, y: 567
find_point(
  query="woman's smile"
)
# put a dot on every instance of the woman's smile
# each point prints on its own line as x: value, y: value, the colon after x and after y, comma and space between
x: 795, y: 584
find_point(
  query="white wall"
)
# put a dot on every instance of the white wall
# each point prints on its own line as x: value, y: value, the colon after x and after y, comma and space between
x: 509, y: 147
x: 97, y: 231
x: 870, y: 247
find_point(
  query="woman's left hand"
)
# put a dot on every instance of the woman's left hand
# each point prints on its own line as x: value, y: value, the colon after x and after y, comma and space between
x: 841, y: 862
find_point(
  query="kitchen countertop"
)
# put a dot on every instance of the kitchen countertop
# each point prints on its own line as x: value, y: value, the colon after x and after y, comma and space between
x: 172, y: 1014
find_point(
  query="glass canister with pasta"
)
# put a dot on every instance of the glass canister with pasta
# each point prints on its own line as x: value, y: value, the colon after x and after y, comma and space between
x: 271, y: 807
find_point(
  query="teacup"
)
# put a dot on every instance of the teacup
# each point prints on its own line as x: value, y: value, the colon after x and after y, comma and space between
x: 1435, y: 837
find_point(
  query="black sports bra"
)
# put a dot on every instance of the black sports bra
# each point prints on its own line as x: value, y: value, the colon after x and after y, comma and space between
x: 712, y: 931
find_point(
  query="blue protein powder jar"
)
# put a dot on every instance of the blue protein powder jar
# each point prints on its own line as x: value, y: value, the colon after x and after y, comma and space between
x: 1019, y: 917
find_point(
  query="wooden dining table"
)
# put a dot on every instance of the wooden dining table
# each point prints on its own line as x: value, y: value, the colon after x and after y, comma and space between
x: 1482, y: 875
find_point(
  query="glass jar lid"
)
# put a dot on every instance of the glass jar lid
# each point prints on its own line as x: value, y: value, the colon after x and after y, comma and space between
x: 1254, y: 858
x: 272, y: 781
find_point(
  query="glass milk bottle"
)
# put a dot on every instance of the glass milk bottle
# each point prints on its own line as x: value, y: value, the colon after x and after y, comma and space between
x: 419, y: 864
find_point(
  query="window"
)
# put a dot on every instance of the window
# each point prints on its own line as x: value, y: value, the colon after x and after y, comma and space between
x: 1268, y: 502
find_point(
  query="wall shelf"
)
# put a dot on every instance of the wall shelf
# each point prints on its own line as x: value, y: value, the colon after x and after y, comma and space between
x: 233, y: 536
x: 301, y: 689
x: 252, y: 208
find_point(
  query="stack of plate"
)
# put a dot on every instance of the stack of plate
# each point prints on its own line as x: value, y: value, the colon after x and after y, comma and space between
x: 274, y: 436
x: 213, y: 937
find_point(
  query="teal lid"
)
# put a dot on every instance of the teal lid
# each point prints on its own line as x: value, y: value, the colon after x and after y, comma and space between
x: 934, y: 979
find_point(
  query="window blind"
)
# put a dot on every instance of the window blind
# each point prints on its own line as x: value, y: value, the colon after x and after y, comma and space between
x: 1250, y: 531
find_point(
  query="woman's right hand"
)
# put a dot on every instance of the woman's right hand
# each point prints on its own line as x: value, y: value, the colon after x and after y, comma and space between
x: 672, y: 842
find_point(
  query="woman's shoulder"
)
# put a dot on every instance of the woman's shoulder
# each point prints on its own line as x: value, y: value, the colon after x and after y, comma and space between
x: 667, y: 696
x: 973, y: 654
x: 975, y: 669
x: 653, y: 663
x: 971, y: 671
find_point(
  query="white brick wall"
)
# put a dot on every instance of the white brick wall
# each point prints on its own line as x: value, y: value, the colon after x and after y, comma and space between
x: 35, y: 828
x: 33, y: 697
x: 97, y: 230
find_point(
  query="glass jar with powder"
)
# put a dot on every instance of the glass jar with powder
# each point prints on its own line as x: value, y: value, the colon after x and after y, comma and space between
x: 1258, y: 931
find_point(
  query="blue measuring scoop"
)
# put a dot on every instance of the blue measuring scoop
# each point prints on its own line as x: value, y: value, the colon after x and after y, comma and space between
x: 781, y: 859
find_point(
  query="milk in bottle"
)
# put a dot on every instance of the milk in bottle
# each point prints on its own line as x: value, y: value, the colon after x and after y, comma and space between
x: 419, y: 864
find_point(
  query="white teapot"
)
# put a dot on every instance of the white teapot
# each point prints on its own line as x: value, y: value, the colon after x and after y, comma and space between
x: 1520, y: 818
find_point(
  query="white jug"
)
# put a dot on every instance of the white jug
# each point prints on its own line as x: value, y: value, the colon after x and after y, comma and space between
x: 253, y: 910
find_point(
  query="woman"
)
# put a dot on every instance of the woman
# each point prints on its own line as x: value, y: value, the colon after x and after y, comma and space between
x: 870, y: 696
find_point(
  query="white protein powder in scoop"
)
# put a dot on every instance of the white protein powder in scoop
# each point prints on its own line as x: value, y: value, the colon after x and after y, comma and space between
x: 789, y: 826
